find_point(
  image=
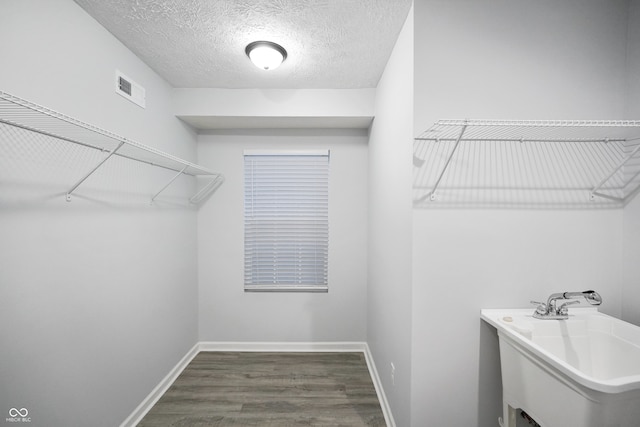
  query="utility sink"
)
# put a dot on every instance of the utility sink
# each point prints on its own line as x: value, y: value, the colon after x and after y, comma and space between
x: 583, y: 371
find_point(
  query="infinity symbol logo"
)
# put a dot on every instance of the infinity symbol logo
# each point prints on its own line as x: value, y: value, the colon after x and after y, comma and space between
x: 13, y: 412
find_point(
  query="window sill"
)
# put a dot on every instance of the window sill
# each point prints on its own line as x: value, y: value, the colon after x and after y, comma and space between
x: 286, y: 288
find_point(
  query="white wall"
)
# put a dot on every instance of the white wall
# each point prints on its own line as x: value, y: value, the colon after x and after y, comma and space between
x: 631, y: 290
x: 389, y: 257
x: 502, y: 59
x: 505, y: 60
x: 99, y: 296
x: 633, y: 61
x: 272, y: 103
x: 631, y: 274
x: 227, y: 313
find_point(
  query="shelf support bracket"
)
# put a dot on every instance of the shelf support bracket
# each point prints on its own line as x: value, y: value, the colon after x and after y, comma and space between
x: 83, y: 179
x: 606, y: 196
x: 635, y: 190
x: 594, y: 191
x: 169, y: 183
x: 432, y: 194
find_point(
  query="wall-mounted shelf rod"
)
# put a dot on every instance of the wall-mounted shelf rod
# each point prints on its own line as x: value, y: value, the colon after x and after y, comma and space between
x: 18, y: 112
x: 207, y: 189
x: 528, y: 162
x: 605, y: 140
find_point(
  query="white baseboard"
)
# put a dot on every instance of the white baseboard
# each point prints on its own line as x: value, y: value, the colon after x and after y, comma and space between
x: 283, y: 346
x: 384, y: 403
x: 146, y: 405
x: 362, y: 347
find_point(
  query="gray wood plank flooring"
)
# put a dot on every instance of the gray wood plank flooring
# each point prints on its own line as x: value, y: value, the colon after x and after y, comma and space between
x: 270, y: 389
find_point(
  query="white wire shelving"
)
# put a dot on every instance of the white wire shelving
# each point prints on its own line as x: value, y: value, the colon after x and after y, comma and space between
x: 528, y: 163
x: 18, y: 112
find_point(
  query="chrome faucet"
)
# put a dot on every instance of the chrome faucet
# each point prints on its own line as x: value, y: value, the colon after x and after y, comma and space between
x: 554, y: 310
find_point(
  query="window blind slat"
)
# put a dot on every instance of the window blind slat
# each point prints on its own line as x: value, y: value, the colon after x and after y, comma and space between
x: 286, y: 220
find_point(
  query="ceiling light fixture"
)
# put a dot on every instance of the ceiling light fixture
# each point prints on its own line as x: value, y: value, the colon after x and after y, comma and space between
x: 266, y: 55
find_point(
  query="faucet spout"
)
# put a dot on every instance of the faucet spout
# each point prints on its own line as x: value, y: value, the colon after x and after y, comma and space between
x: 592, y: 297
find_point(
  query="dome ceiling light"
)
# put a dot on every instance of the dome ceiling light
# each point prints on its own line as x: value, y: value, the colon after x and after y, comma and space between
x: 266, y: 55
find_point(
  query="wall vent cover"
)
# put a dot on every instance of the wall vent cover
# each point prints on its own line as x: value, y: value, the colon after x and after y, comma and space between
x: 124, y: 85
x: 130, y: 89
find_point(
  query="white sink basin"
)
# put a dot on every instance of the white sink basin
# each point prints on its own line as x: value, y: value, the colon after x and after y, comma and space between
x: 582, y: 372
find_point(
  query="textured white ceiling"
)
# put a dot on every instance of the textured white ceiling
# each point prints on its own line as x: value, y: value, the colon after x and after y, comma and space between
x: 201, y: 43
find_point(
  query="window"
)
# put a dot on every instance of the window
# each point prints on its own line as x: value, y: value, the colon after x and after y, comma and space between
x: 286, y: 221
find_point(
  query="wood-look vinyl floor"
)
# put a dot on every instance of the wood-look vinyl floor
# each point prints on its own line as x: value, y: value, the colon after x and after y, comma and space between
x: 270, y: 389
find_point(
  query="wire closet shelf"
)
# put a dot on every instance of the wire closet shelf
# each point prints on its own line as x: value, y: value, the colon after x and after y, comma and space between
x: 18, y: 112
x: 527, y: 163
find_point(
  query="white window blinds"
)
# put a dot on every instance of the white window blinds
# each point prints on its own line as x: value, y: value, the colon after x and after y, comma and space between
x: 286, y: 220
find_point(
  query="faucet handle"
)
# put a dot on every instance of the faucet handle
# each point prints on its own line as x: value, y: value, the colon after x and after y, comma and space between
x: 563, y: 309
x: 541, y: 308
